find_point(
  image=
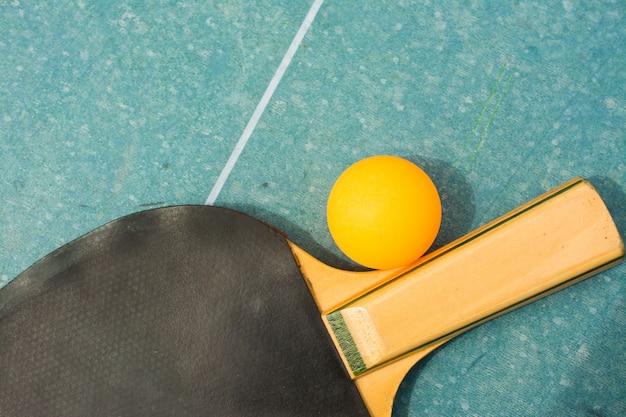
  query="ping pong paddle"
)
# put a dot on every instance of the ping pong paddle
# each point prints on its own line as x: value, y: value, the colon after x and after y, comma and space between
x: 199, y: 310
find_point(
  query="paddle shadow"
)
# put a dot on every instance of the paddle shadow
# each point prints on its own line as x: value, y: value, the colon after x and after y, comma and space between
x: 298, y: 235
x: 614, y: 198
x: 402, y: 400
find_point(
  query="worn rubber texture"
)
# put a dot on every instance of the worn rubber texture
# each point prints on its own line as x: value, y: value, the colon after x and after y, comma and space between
x: 178, y: 311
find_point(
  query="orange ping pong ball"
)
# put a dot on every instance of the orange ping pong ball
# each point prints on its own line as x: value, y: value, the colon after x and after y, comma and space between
x: 384, y: 212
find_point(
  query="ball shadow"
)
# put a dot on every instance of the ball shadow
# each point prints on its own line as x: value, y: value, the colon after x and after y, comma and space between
x: 457, y: 198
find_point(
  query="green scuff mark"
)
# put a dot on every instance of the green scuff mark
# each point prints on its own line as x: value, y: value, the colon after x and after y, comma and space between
x: 346, y: 343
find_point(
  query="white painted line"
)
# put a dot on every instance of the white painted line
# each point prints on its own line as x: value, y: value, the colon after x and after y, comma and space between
x: 260, y: 108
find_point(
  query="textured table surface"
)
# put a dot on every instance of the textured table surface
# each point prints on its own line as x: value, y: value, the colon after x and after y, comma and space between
x: 108, y: 108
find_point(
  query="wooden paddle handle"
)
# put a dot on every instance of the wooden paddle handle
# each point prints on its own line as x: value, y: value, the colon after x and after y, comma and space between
x: 555, y: 240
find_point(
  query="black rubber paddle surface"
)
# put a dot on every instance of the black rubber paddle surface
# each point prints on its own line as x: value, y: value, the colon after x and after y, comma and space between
x: 179, y: 311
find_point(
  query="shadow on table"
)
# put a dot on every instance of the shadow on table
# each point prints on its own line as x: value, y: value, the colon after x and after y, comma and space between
x: 457, y: 206
x: 614, y: 198
x: 457, y: 198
